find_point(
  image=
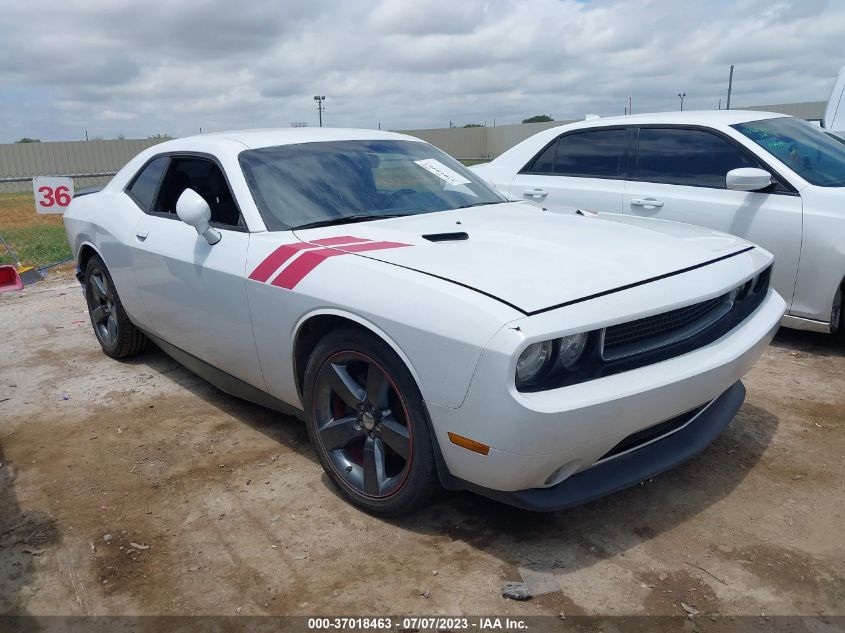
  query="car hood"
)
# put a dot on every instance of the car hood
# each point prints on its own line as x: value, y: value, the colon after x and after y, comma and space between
x: 529, y: 258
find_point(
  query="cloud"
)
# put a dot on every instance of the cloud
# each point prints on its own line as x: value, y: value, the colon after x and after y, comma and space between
x: 138, y: 69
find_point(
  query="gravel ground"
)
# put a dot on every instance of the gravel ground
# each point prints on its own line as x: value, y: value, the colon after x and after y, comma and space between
x: 137, y: 488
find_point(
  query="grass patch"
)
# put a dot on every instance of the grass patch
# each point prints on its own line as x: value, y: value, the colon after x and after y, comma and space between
x: 37, y: 245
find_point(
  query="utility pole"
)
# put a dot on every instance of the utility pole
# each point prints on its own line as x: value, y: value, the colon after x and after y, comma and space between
x: 730, y: 86
x: 682, y: 95
x: 720, y: 103
x: 320, y: 107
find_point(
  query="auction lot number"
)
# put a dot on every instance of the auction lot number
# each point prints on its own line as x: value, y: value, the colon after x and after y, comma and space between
x: 52, y: 193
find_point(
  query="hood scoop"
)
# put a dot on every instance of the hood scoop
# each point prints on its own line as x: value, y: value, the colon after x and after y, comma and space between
x: 446, y: 237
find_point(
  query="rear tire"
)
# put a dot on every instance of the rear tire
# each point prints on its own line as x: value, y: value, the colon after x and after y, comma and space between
x: 116, y: 334
x: 367, y: 422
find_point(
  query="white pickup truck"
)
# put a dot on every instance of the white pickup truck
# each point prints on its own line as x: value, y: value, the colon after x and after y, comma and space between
x: 834, y: 114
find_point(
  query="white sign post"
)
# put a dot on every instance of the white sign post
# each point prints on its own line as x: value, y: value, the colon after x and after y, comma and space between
x: 52, y: 193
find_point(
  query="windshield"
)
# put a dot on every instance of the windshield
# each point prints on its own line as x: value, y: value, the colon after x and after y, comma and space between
x: 312, y: 184
x: 804, y: 148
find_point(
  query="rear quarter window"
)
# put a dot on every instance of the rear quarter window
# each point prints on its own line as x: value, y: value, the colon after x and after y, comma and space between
x: 145, y: 184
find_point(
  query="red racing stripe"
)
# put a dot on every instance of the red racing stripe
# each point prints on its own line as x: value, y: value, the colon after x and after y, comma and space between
x: 343, y: 239
x: 277, y: 258
x: 299, y: 268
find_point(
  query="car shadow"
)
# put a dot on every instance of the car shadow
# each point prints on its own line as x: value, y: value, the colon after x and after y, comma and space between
x: 24, y: 536
x: 282, y: 428
x: 564, y: 541
x: 583, y: 536
x: 805, y: 343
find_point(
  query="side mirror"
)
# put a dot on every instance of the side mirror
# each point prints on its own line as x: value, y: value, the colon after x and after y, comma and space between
x: 748, y: 179
x: 192, y: 209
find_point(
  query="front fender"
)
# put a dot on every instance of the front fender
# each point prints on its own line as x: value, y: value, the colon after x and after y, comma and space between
x: 437, y: 328
x: 359, y: 320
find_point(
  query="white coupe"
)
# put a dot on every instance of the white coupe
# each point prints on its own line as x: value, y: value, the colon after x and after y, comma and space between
x: 428, y: 331
x: 772, y: 179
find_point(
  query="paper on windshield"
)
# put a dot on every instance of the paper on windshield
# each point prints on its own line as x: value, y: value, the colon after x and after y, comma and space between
x: 440, y: 170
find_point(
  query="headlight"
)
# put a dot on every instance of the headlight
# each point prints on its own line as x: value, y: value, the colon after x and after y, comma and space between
x: 533, y: 361
x: 570, y: 349
x: 540, y: 360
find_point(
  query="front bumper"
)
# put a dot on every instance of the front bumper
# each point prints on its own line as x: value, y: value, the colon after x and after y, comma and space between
x: 539, y: 440
x: 630, y: 468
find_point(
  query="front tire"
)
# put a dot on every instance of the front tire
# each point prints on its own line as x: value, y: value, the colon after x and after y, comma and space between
x: 367, y: 422
x: 116, y: 334
x: 837, y: 316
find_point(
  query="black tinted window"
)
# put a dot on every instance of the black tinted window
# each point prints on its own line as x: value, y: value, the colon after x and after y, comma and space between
x: 591, y: 154
x: 144, y: 187
x: 687, y: 157
x: 204, y: 177
x: 544, y: 163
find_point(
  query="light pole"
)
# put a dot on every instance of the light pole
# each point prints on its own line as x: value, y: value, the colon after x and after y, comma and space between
x: 320, y: 107
x: 682, y: 95
x: 730, y: 86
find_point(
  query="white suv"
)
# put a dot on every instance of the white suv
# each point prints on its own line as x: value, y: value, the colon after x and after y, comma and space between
x: 772, y: 179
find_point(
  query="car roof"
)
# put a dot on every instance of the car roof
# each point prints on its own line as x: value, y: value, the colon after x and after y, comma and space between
x: 687, y: 117
x: 271, y: 137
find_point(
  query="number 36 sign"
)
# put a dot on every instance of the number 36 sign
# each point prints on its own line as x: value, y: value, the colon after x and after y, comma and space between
x: 52, y: 194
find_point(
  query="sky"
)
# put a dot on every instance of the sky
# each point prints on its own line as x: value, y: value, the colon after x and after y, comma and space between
x: 118, y: 67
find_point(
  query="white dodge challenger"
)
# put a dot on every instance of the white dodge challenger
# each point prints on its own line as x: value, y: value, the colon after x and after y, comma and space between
x: 428, y: 331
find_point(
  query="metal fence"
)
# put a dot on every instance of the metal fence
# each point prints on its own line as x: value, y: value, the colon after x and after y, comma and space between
x: 27, y: 238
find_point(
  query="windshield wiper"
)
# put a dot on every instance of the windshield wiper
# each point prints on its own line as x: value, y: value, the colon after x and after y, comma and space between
x: 481, y: 204
x: 348, y: 219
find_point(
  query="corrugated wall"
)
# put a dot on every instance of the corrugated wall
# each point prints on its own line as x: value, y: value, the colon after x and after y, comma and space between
x: 502, y: 137
x: 460, y: 142
x: 68, y: 158
x: 479, y: 143
x: 811, y: 110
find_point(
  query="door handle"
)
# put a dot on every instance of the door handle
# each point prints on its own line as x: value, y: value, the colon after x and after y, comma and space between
x: 535, y: 193
x: 142, y: 234
x: 648, y: 203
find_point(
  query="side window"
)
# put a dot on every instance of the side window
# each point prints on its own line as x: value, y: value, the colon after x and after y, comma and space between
x: 204, y: 177
x: 687, y: 157
x: 594, y: 154
x: 544, y: 162
x: 143, y: 188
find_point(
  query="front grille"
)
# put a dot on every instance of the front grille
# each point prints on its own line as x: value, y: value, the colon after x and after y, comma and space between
x: 653, y: 339
x: 635, y: 337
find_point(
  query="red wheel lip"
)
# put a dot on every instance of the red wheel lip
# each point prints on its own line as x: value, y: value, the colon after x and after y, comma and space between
x: 372, y: 360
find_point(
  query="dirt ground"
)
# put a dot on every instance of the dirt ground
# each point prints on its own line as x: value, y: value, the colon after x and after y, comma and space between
x: 229, y: 512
